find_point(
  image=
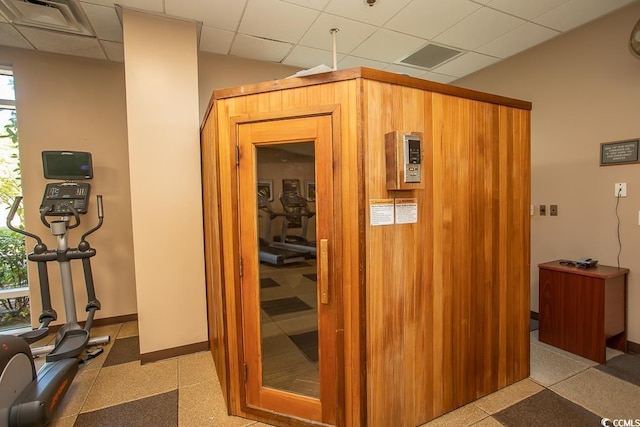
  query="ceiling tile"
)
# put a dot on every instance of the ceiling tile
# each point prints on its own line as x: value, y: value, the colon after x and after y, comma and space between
x: 9, y: 36
x: 358, y: 10
x: 104, y: 21
x: 313, y: 4
x: 263, y: 18
x: 307, y: 57
x: 150, y: 5
x: 114, y: 50
x: 527, y: 9
x: 260, y: 49
x: 428, y: 18
x: 350, y: 36
x: 478, y: 29
x: 354, y: 61
x: 517, y: 40
x: 388, y: 46
x: 466, y: 64
x: 577, y: 12
x: 223, y: 14
x: 215, y: 41
x: 51, y: 41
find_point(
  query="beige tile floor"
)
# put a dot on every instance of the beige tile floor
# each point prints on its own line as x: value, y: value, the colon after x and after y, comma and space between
x: 570, y: 376
x: 200, y: 401
x: 200, y: 397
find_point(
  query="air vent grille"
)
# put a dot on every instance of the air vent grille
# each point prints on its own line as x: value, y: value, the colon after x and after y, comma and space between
x: 57, y: 15
x: 430, y: 56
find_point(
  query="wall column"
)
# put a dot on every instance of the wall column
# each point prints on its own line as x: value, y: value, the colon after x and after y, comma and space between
x: 161, y: 71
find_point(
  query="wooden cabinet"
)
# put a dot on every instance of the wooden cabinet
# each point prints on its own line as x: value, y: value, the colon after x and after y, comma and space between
x: 583, y: 310
x: 429, y: 313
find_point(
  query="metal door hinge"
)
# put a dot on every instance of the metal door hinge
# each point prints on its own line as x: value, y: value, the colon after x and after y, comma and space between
x: 245, y: 369
x: 237, y: 155
x: 240, y: 266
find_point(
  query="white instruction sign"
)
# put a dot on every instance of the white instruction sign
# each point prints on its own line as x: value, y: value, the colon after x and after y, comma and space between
x: 406, y: 211
x: 381, y: 211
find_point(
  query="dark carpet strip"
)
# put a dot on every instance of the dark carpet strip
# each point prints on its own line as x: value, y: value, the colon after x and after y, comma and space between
x: 533, y: 324
x: 307, y: 343
x: 284, y: 305
x: 546, y: 409
x: 626, y: 367
x: 124, y: 350
x: 268, y: 282
x: 157, y: 411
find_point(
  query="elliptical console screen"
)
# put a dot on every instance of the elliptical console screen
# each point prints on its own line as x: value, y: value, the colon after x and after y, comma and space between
x: 67, y: 165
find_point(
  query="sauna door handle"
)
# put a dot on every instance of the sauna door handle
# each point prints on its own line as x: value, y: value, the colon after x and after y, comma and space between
x: 324, y: 271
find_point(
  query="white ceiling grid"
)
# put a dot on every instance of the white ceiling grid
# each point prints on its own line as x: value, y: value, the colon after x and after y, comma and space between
x: 296, y: 32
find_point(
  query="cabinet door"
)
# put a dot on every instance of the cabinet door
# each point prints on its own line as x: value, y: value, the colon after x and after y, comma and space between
x: 287, y: 252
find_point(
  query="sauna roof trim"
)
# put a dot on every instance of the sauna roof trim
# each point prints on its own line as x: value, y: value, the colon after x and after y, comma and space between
x: 370, y: 74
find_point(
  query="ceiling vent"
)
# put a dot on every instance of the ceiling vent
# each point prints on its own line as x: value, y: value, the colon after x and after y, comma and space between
x: 58, y: 15
x: 430, y: 56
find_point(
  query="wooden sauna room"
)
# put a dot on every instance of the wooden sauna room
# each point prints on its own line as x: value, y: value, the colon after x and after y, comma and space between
x: 367, y: 247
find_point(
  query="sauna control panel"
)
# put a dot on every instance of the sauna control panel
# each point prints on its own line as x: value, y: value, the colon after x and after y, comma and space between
x: 411, y: 145
x: 404, y: 154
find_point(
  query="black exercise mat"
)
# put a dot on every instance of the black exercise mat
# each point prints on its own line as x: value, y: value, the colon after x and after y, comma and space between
x: 313, y: 277
x: 268, y: 282
x: 124, y: 350
x: 626, y: 367
x: 158, y: 411
x: 284, y: 305
x: 308, y: 343
x: 546, y: 408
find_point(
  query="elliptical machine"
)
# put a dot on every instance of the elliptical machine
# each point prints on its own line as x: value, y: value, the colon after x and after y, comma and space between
x: 28, y: 398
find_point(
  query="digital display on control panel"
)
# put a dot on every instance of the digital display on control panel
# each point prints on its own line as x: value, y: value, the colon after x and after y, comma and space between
x: 412, y: 158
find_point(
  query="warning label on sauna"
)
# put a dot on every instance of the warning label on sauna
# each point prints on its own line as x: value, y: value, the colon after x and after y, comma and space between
x: 381, y: 211
x: 393, y: 211
x: 406, y: 211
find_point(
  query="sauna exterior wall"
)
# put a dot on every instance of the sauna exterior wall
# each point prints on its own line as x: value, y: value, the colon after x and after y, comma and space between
x: 447, y: 300
x: 433, y: 314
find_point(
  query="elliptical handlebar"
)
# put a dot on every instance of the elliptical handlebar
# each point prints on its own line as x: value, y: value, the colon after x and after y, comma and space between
x: 100, y: 219
x: 12, y: 213
x: 44, y: 211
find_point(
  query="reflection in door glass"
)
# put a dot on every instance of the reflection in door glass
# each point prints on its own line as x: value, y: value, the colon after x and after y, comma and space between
x: 287, y: 254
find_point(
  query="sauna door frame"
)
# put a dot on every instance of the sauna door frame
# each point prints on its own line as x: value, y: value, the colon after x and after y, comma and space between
x: 332, y: 412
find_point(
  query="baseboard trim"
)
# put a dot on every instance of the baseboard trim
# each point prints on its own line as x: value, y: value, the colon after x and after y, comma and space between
x: 534, y: 315
x: 116, y: 319
x: 102, y: 322
x: 156, y: 356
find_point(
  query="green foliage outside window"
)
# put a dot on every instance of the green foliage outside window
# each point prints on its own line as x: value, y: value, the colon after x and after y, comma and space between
x: 13, y: 263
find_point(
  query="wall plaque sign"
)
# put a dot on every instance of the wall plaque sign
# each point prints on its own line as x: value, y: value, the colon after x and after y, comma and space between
x: 621, y: 152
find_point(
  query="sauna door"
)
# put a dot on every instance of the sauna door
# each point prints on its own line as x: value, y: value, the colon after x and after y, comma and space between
x: 287, y: 250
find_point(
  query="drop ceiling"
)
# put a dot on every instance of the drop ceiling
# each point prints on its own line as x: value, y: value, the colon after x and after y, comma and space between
x: 473, y: 33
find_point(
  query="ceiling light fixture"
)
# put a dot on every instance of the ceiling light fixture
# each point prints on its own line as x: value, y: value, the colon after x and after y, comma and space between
x: 370, y: 2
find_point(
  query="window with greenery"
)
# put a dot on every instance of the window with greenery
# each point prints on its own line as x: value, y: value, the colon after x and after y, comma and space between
x: 14, y: 297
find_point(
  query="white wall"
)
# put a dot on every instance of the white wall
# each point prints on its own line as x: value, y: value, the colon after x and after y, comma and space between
x: 70, y: 103
x: 585, y: 90
x: 161, y: 69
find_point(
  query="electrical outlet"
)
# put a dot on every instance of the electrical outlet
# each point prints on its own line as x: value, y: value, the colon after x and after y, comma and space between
x: 553, y: 210
x: 543, y: 210
x: 620, y: 189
